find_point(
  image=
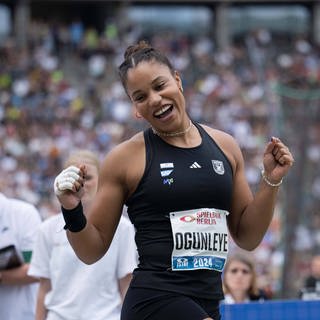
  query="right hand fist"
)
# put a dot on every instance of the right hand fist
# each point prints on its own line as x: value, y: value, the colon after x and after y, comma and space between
x: 68, y: 186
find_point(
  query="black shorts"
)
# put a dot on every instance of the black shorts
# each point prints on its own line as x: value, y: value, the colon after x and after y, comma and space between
x: 150, y: 304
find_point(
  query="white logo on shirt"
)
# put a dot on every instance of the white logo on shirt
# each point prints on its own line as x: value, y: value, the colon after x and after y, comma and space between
x: 218, y: 166
x: 165, y: 173
x: 195, y: 165
x: 166, y: 165
x: 165, y: 170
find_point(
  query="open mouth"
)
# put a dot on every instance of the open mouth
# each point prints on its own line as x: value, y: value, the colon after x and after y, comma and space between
x: 164, y: 111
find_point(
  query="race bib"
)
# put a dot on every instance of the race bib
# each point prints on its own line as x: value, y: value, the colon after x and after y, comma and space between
x: 200, y: 239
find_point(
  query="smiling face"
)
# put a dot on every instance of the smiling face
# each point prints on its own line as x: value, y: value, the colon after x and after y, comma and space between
x: 156, y: 94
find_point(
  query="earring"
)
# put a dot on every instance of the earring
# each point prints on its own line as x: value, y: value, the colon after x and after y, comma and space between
x: 181, y: 89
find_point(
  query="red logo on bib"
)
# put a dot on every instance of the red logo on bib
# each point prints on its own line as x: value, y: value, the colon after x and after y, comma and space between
x: 187, y: 218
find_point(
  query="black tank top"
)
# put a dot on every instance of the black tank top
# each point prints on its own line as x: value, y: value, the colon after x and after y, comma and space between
x: 176, y: 179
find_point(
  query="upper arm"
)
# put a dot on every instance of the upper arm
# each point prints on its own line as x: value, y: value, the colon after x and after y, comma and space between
x: 241, y: 193
x: 112, y: 191
x: 107, y: 206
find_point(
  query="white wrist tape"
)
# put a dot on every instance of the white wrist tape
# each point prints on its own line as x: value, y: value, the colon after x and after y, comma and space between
x: 66, y: 179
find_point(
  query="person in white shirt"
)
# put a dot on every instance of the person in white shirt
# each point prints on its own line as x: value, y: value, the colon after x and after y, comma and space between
x: 240, y: 280
x: 70, y: 289
x: 19, y: 222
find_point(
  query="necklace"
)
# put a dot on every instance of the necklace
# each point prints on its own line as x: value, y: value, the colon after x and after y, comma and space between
x: 173, y: 134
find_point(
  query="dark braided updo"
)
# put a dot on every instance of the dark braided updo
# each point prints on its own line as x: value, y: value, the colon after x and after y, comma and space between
x: 137, y: 53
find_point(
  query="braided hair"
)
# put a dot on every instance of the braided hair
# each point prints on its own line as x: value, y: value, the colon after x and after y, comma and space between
x: 137, y: 53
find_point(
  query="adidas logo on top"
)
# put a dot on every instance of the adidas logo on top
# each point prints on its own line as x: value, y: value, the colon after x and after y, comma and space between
x: 195, y: 165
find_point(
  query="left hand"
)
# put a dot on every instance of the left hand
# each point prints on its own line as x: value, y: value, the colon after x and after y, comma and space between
x: 277, y: 160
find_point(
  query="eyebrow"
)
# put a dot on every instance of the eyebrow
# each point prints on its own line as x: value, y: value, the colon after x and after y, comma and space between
x: 152, y: 82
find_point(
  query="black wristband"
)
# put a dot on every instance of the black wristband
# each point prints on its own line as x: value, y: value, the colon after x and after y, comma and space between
x: 75, y: 219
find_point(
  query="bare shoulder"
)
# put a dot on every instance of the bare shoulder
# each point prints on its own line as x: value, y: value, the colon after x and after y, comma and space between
x: 227, y: 143
x: 125, y: 152
x: 219, y: 135
x: 125, y: 163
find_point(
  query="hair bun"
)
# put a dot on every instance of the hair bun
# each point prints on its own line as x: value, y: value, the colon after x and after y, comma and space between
x: 141, y: 45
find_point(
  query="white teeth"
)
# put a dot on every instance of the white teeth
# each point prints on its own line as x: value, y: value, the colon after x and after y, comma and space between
x: 162, y: 110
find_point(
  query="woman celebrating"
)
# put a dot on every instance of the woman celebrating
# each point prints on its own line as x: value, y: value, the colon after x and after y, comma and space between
x: 185, y: 187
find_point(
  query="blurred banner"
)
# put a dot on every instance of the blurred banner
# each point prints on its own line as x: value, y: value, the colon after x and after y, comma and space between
x: 272, y: 310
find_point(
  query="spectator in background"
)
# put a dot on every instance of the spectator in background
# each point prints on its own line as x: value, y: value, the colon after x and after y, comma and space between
x: 70, y: 289
x: 19, y: 222
x: 311, y: 285
x: 240, y: 281
x: 76, y: 33
x: 313, y: 280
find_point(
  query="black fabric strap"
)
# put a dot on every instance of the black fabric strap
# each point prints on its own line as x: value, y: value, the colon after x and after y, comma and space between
x: 75, y: 219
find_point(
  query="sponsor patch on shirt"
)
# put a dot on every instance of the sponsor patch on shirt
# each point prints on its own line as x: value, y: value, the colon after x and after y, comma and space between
x: 218, y: 166
x: 165, y: 170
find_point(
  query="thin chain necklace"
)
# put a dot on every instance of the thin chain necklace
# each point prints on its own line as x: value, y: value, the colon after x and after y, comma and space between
x: 173, y: 134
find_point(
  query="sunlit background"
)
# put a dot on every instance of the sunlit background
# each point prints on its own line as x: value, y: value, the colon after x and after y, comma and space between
x: 250, y: 68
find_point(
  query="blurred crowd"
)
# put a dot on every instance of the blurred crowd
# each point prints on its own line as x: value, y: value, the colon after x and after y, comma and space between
x: 61, y: 92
